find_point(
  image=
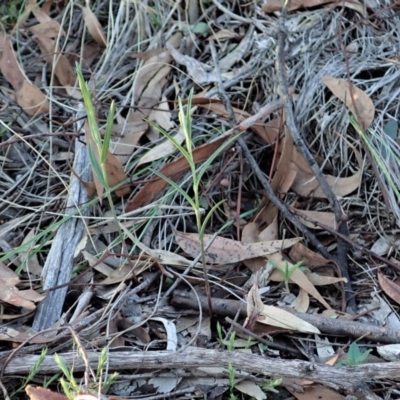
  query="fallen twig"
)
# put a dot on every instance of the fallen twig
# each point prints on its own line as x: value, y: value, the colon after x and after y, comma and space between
x: 341, y: 218
x: 348, y: 378
x: 331, y: 326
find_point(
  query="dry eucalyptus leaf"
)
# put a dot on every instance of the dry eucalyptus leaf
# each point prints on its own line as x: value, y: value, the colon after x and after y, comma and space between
x: 321, y: 280
x: 325, y: 218
x: 391, y: 288
x: 11, y: 295
x: 251, y: 389
x: 299, y: 252
x: 360, y: 103
x: 164, y: 149
x: 39, y: 393
x: 94, y: 27
x: 305, y: 183
x: 302, y: 301
x: 9, y: 66
x: 226, y: 251
x: 275, y: 316
x: 49, y: 48
x: 31, y: 99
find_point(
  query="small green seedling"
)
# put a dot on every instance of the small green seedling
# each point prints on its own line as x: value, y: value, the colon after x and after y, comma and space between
x: 32, y: 373
x: 271, y: 385
x: 287, y: 272
x: 232, y: 382
x: 354, y: 356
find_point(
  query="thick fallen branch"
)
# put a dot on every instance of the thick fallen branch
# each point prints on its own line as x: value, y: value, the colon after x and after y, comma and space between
x: 337, y: 327
x: 348, y: 379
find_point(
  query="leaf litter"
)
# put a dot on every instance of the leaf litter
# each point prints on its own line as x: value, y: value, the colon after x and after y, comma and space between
x: 331, y: 68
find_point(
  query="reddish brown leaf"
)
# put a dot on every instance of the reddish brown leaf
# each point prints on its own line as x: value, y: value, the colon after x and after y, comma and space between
x: 174, y: 170
x: 114, y: 168
x: 39, y: 393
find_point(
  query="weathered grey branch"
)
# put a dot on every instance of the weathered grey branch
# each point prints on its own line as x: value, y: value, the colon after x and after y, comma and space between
x: 349, y: 378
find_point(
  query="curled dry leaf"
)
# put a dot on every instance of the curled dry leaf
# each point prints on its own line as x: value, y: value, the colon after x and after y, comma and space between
x: 302, y: 301
x: 355, y: 99
x: 299, y: 252
x: 391, y: 288
x: 28, y: 96
x: 10, y: 294
x: 226, y: 251
x: 305, y: 183
x: 275, y: 316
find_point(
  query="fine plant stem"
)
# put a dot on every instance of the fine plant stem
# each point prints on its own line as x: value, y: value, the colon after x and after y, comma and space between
x: 185, y: 121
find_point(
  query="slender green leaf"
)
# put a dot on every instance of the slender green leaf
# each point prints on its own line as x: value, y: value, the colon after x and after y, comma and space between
x: 108, y: 133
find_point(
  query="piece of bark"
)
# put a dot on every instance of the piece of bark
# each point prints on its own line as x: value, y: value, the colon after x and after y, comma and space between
x: 337, y: 327
x: 60, y: 260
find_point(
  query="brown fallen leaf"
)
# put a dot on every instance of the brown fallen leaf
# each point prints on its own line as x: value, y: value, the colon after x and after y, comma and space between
x: 250, y: 235
x: 275, y: 316
x: 226, y: 251
x: 40, y: 393
x: 322, y: 280
x: 305, y: 183
x: 302, y: 301
x: 41, y: 14
x: 276, y: 5
x: 325, y: 218
x: 360, y: 104
x: 51, y: 53
x: 391, y: 288
x: 9, y: 334
x: 9, y: 66
x: 10, y: 294
x: 31, y: 99
x: 299, y: 252
x: 316, y: 392
x: 93, y: 25
x: 28, y: 96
